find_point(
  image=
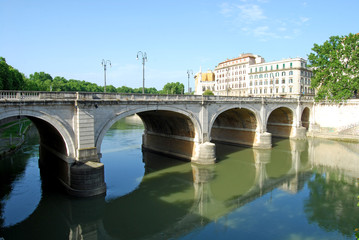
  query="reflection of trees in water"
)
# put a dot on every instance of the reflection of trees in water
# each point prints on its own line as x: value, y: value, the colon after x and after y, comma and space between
x: 12, y: 167
x: 332, y: 204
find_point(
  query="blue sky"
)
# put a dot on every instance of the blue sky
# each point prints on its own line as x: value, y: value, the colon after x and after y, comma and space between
x: 69, y: 38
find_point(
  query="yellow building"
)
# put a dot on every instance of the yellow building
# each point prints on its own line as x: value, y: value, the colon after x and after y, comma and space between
x: 204, y: 81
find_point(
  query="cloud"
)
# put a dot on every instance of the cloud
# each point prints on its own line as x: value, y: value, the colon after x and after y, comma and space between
x: 242, y: 12
x: 250, y: 18
x: 304, y: 19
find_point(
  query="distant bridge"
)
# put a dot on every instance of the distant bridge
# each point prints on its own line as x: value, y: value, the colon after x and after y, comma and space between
x: 72, y: 126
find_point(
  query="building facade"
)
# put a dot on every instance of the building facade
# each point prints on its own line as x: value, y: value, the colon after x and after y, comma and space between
x: 204, y: 81
x: 249, y: 75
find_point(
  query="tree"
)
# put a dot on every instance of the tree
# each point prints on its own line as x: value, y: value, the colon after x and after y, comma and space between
x: 208, y: 93
x: 173, y: 88
x: 336, y: 67
x: 10, y: 78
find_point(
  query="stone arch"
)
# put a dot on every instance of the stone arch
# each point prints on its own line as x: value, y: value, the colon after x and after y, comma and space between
x: 280, y: 121
x: 40, y: 118
x: 305, y: 117
x: 235, y: 126
x: 194, y: 131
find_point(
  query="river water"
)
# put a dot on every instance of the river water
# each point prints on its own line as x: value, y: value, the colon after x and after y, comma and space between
x: 298, y: 190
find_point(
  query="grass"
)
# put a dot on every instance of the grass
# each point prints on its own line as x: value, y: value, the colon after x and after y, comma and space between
x: 12, y: 128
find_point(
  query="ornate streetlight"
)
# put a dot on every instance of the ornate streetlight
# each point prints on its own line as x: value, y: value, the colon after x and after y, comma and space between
x: 104, y: 64
x: 189, y: 73
x: 144, y: 59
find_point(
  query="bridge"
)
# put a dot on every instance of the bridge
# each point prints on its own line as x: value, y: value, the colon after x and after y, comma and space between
x: 72, y: 126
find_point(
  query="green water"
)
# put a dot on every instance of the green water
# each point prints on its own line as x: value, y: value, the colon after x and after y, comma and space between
x: 297, y: 190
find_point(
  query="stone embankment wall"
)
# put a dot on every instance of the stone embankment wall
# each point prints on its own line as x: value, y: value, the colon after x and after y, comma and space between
x: 336, y: 120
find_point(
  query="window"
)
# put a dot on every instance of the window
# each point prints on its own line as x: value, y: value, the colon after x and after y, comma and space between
x: 277, y: 81
x: 277, y: 66
x: 283, y: 73
x: 290, y: 89
x: 290, y: 73
x: 283, y: 65
x: 291, y: 65
x: 261, y: 69
x: 283, y: 81
x: 260, y: 75
x: 283, y: 89
x: 290, y: 80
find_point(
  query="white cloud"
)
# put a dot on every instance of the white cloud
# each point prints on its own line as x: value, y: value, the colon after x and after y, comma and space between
x: 250, y: 17
x: 250, y: 12
x: 304, y: 19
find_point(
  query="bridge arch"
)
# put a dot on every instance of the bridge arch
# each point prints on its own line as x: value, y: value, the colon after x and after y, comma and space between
x: 40, y: 119
x: 235, y: 125
x: 305, y: 117
x: 160, y: 121
x: 280, y: 120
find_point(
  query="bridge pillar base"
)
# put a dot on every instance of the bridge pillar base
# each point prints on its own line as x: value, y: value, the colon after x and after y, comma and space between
x: 87, y: 179
x: 263, y: 140
x: 298, y: 133
x: 205, y: 153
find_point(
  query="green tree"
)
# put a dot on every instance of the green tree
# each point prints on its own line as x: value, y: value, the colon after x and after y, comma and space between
x: 208, y: 93
x: 335, y: 66
x: 10, y: 78
x: 173, y: 88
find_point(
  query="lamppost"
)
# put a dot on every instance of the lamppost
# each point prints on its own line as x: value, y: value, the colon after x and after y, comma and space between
x: 104, y: 64
x: 189, y: 73
x: 144, y: 59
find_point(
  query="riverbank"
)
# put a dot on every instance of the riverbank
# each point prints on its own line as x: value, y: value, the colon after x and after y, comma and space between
x: 12, y: 136
x: 335, y: 137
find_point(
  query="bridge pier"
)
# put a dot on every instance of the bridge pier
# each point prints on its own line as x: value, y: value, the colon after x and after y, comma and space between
x: 263, y: 140
x: 79, y: 178
x: 298, y: 133
x: 180, y: 147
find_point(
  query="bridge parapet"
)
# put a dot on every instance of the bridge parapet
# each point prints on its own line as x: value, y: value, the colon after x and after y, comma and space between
x: 34, y: 95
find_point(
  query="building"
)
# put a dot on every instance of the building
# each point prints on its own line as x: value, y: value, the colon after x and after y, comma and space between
x: 249, y: 75
x: 204, y: 81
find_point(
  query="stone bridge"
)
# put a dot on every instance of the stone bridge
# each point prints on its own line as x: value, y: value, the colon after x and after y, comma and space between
x: 72, y: 126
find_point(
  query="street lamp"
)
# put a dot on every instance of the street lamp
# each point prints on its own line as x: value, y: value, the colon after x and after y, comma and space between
x: 189, y: 73
x: 104, y: 64
x: 144, y: 59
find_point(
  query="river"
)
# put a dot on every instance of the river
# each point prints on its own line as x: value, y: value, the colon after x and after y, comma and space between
x: 298, y: 190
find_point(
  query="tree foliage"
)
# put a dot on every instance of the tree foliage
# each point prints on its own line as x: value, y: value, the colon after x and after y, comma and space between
x: 10, y: 78
x: 335, y: 66
x: 208, y: 93
x: 173, y: 88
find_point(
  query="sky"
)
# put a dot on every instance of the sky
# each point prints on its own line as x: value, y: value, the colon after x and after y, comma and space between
x: 70, y: 38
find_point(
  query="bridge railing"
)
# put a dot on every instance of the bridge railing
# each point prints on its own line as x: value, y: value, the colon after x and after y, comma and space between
x: 31, y: 95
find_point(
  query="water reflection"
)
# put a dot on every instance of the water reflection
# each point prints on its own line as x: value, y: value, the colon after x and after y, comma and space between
x: 176, y: 199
